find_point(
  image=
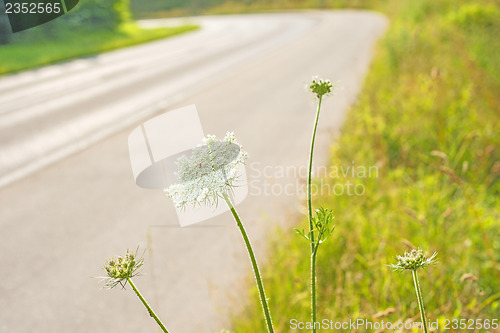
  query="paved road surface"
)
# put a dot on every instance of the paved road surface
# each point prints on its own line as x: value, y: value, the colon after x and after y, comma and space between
x: 68, y: 199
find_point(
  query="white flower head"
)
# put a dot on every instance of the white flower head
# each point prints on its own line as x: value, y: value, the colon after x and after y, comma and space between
x: 211, y: 170
x: 413, y: 260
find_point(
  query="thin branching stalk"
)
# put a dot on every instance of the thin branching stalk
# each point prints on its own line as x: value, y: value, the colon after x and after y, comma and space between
x: 256, y: 271
x: 311, y: 226
x: 151, y: 312
x: 419, y: 298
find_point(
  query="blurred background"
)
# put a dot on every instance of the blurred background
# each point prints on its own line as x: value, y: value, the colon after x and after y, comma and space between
x: 416, y: 98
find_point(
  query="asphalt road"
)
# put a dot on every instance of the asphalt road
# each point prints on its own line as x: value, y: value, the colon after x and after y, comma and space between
x: 69, y: 201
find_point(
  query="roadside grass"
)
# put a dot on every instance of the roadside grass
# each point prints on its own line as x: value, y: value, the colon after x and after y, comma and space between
x: 28, y: 54
x: 429, y: 118
x: 253, y: 6
x: 158, y: 8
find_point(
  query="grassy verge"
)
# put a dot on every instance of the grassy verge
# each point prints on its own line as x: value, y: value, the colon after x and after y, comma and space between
x: 31, y: 54
x: 255, y: 6
x: 429, y: 119
x: 159, y: 8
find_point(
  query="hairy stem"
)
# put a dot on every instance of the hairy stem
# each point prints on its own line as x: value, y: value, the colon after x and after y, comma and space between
x: 313, y: 287
x: 311, y: 227
x: 151, y: 312
x: 419, y: 298
x: 256, y: 271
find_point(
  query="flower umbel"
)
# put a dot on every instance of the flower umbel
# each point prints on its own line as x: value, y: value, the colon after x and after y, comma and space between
x: 413, y: 260
x: 320, y: 87
x: 122, y: 268
x: 121, y: 271
x: 209, y: 172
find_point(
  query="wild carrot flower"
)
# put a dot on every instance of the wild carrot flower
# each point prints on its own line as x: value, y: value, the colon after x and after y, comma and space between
x: 208, y: 172
x: 320, y: 87
x: 121, y: 271
x: 412, y: 261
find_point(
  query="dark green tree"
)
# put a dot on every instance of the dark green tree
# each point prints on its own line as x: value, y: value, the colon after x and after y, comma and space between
x: 97, y: 15
x: 5, y: 32
x: 88, y: 15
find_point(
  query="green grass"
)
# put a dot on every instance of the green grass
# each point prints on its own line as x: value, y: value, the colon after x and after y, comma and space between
x: 429, y: 118
x: 27, y: 54
x: 253, y: 6
x: 160, y: 8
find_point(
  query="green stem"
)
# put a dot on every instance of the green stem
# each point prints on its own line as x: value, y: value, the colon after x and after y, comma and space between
x: 309, y: 177
x: 311, y: 227
x: 151, y: 312
x: 313, y: 291
x: 256, y: 271
x: 313, y: 287
x: 419, y: 297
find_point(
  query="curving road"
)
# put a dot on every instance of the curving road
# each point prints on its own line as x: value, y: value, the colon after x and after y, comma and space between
x: 68, y: 200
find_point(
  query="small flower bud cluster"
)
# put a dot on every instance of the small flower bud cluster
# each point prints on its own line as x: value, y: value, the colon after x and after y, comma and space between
x: 121, y: 269
x: 413, y: 260
x: 320, y: 87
